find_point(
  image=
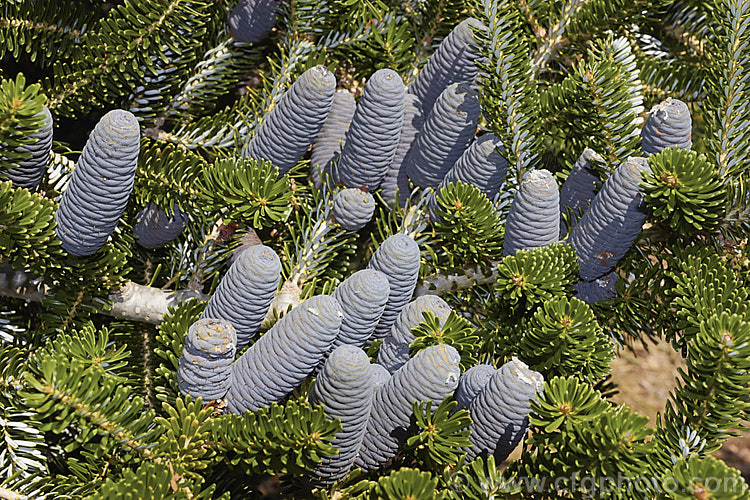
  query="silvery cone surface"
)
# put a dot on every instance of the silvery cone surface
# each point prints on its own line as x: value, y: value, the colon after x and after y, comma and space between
x: 580, y: 187
x: 289, y: 129
x: 603, y: 288
x: 500, y: 411
x: 362, y: 298
x: 29, y: 172
x: 345, y: 389
x: 452, y: 62
x: 154, y: 228
x: 327, y: 145
x: 246, y: 291
x: 373, y: 135
x: 100, y: 185
x: 394, y: 351
x: 379, y: 375
x: 613, y: 221
x: 251, y: 20
x: 534, y: 217
x: 398, y: 258
x: 280, y: 360
x: 445, y: 135
x: 353, y: 208
x: 481, y: 165
x: 668, y: 124
x: 396, y: 180
x: 431, y: 375
x: 205, y: 364
x: 471, y: 383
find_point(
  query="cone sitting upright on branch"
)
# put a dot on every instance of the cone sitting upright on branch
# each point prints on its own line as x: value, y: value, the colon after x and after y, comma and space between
x: 372, y: 138
x: 98, y: 190
x: 292, y: 125
x: 246, y: 291
x: 285, y: 355
x: 206, y: 361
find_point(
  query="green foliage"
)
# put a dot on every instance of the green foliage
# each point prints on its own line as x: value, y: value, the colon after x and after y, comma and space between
x: 151, y: 482
x: 563, y: 338
x: 683, y: 189
x: 507, y: 86
x: 19, y: 106
x: 291, y: 438
x: 90, y: 405
x: 726, y: 114
x: 597, y: 105
x: 530, y: 277
x: 168, y: 347
x: 441, y: 436
x: 108, y: 418
x: 27, y: 234
x: 711, y: 393
x: 468, y: 225
x: 406, y: 484
x: 166, y: 174
x: 703, y: 286
x: 703, y: 478
x: 455, y: 331
x: 576, y: 432
x: 250, y: 191
x: 89, y: 346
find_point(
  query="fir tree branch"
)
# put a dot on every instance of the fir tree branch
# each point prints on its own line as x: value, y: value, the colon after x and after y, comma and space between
x: 556, y: 39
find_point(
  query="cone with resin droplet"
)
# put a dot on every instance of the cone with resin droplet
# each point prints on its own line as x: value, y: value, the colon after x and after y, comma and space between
x: 500, y: 412
x: 603, y: 288
x: 668, y: 124
x: 205, y: 364
x: 100, y: 185
x: 285, y: 355
x: 292, y: 125
x: 613, y: 221
x: 534, y: 217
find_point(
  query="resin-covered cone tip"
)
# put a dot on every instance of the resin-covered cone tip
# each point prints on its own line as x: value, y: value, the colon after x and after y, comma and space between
x: 669, y: 124
x: 534, y: 217
x: 204, y: 368
x: 500, y: 410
